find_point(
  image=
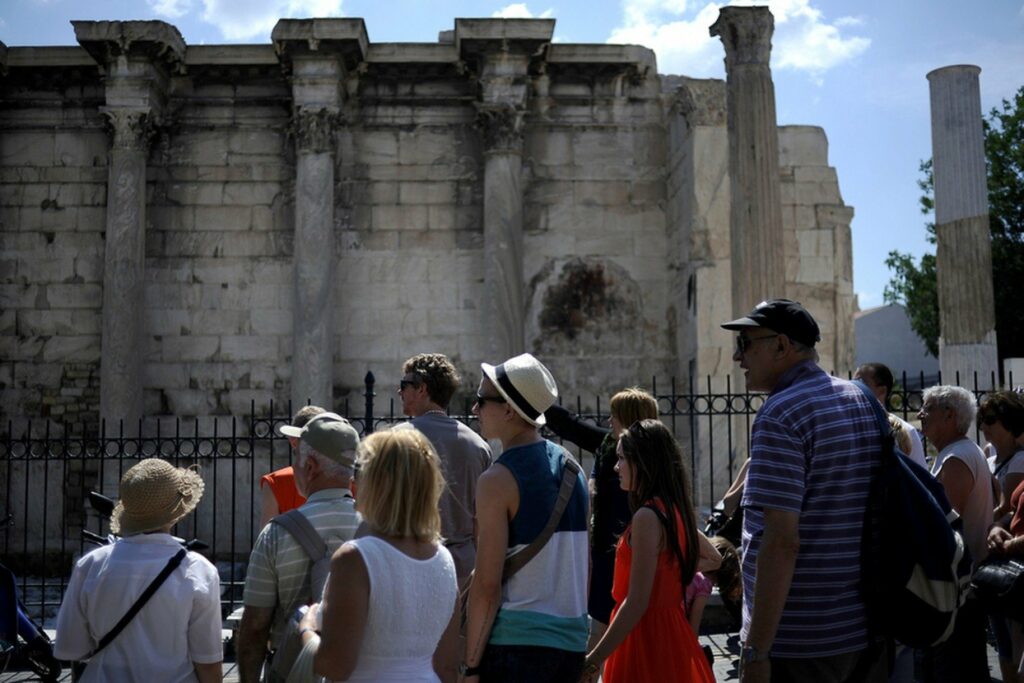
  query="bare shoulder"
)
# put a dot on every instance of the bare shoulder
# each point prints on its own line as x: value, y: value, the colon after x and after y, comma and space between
x: 347, y: 559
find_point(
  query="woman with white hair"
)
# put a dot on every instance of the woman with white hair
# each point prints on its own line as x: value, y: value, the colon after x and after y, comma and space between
x: 176, y: 635
x: 946, y: 416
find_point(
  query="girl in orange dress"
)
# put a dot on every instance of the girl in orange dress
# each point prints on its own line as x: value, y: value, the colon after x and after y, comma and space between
x: 649, y: 639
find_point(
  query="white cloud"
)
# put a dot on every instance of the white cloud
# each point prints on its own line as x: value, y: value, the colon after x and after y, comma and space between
x: 519, y: 10
x: 170, y: 8
x: 804, y: 40
x: 254, y: 19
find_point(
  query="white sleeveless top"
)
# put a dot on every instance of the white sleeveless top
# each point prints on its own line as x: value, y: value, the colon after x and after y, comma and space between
x: 411, y: 603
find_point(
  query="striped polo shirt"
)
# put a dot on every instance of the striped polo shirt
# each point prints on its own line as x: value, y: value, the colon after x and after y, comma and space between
x: 279, y: 569
x: 814, y: 448
x: 545, y: 602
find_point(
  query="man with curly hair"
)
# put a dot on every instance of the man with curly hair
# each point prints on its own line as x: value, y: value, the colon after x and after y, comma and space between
x: 428, y: 383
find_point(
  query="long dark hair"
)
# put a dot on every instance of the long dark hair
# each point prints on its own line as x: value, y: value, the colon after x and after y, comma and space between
x: 660, y: 473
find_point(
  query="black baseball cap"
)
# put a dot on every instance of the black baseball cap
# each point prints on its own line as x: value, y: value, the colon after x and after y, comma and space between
x: 783, y: 316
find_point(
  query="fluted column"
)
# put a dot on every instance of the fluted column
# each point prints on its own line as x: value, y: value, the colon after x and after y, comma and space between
x: 502, y: 128
x: 314, y: 258
x: 967, y: 334
x: 124, y: 268
x: 320, y: 56
x: 758, y: 266
x: 137, y: 58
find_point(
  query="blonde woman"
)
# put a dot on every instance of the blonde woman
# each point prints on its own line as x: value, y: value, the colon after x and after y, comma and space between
x: 389, y: 607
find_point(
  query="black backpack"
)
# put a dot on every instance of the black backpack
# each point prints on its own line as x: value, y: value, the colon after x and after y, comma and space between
x: 916, y: 566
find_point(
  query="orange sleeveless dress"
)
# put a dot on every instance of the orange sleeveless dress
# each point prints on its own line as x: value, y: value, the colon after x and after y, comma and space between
x: 661, y: 647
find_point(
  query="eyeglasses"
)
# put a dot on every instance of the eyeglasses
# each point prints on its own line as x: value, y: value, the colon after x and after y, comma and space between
x: 481, y: 400
x: 743, y: 344
x: 988, y: 419
x: 405, y: 383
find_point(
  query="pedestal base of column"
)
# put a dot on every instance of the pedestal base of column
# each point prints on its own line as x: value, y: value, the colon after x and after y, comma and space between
x: 970, y: 360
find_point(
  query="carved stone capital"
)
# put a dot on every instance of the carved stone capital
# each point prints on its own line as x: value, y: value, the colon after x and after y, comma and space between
x: 131, y: 129
x: 746, y: 33
x: 701, y: 102
x: 314, y: 129
x: 501, y: 126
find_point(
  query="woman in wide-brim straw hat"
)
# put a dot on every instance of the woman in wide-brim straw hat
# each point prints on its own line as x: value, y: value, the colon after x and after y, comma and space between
x: 176, y: 635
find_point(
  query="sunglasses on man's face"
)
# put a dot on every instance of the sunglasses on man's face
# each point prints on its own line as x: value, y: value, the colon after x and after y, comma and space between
x: 482, y: 400
x: 743, y: 344
x: 406, y: 383
x: 988, y: 420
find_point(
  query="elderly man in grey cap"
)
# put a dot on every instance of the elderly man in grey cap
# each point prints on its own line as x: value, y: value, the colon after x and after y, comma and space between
x: 279, y: 578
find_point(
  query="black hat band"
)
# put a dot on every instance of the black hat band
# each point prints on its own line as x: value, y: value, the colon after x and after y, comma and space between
x: 506, y: 384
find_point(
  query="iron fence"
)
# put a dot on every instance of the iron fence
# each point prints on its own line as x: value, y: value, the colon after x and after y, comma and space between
x: 47, y: 470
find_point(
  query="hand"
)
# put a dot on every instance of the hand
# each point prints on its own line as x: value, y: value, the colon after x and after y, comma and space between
x: 756, y: 672
x: 309, y: 619
x: 997, y: 539
x: 591, y: 671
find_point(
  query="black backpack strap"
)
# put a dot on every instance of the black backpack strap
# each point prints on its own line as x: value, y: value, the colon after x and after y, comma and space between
x: 169, y: 568
x: 303, y: 531
x: 880, y: 415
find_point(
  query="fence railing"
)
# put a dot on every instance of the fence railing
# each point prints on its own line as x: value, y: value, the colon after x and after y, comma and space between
x: 47, y: 470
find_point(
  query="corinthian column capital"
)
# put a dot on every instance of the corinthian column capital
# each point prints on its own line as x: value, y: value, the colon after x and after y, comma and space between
x: 131, y: 129
x: 314, y: 129
x: 502, y: 127
x: 746, y: 33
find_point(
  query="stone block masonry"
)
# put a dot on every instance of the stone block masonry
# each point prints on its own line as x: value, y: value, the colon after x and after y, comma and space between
x: 322, y: 206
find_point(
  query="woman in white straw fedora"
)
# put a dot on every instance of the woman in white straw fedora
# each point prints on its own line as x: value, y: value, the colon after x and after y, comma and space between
x: 175, y: 636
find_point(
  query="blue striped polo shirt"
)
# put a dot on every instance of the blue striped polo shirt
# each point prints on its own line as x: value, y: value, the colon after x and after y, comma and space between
x: 814, y: 448
x: 545, y: 602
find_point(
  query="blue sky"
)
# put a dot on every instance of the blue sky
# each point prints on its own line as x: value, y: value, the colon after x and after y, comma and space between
x: 855, y: 68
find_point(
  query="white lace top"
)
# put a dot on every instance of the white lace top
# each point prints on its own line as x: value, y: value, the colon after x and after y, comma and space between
x: 411, y: 603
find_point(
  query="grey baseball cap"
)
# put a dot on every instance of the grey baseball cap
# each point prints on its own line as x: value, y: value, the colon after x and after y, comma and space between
x: 330, y: 435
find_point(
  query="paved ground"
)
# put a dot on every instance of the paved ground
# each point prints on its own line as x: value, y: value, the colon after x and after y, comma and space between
x: 725, y: 648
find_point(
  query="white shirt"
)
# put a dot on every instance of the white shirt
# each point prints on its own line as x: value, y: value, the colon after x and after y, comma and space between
x: 179, y: 626
x: 977, y: 513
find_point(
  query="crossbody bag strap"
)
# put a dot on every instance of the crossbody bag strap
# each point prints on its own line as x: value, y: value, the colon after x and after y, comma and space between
x: 171, y: 565
x: 518, y: 559
x: 303, y: 531
x: 880, y: 415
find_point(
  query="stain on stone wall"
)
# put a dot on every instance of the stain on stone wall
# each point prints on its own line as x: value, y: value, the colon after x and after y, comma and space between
x: 586, y: 305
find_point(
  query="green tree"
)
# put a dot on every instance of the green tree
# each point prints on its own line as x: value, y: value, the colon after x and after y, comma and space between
x: 913, y: 283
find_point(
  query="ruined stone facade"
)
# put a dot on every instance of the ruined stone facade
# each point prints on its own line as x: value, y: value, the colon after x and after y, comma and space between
x: 175, y: 220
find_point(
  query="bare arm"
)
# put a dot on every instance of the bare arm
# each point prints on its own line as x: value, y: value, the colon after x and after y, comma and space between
x: 446, y: 656
x: 776, y: 562
x: 346, y: 606
x: 732, y: 497
x: 497, y: 498
x: 697, y: 613
x: 1003, y: 501
x: 253, y: 633
x: 268, y: 505
x: 710, y: 559
x: 958, y: 481
x: 646, y: 538
x: 209, y: 673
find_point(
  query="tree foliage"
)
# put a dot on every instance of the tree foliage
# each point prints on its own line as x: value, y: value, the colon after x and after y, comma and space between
x: 914, y: 284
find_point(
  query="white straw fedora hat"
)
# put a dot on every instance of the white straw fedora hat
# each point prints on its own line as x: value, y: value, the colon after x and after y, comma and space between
x: 153, y: 494
x: 526, y: 384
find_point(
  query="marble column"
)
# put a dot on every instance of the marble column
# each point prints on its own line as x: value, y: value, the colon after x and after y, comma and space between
x: 758, y: 265
x: 138, y: 59
x: 124, y: 269
x: 320, y: 57
x: 314, y: 257
x: 967, y: 325
x: 503, y: 301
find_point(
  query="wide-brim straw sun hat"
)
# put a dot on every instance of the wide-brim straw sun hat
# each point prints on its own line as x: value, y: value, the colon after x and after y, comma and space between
x: 155, y: 494
x: 526, y: 384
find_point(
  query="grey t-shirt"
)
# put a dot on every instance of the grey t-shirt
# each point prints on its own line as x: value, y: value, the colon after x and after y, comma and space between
x: 464, y: 456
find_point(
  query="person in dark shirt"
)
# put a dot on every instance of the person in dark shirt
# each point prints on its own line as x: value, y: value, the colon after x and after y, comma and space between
x: 609, y: 503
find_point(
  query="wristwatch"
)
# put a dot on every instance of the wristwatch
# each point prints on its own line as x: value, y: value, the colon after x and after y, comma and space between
x: 750, y: 654
x: 467, y: 671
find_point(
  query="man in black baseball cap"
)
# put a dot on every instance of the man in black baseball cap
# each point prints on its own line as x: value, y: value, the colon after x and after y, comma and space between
x: 813, y: 450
